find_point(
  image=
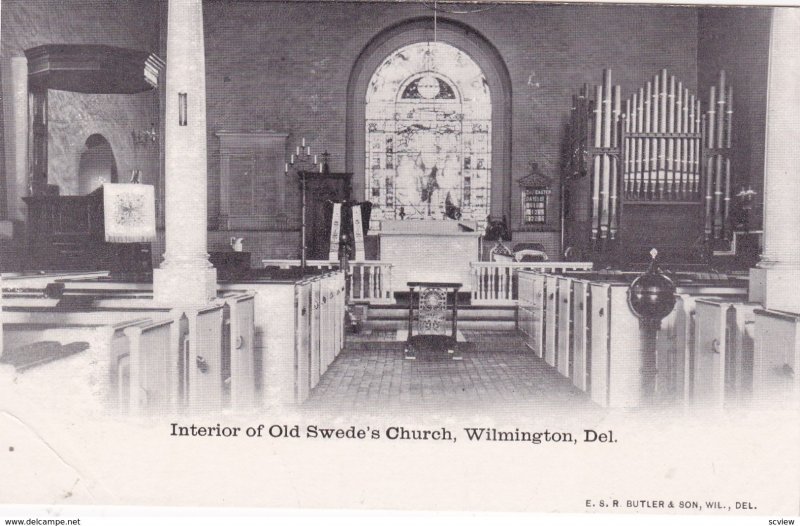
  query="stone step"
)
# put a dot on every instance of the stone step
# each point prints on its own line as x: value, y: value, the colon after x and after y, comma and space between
x: 470, y: 324
x: 464, y: 313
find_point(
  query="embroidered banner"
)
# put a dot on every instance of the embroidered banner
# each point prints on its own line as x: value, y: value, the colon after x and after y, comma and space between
x: 336, y: 225
x: 358, y: 234
x: 129, y: 212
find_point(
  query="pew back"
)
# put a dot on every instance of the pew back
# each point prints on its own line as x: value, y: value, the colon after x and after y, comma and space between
x: 581, y: 334
x: 240, y: 312
x: 564, y: 327
x: 153, y: 366
x: 776, y: 359
x: 550, y: 316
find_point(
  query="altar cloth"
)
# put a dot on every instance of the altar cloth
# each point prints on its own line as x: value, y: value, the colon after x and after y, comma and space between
x: 129, y: 213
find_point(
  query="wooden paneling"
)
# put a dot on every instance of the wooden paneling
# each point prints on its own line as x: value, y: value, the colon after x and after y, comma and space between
x: 550, y: 315
x: 710, y: 353
x: 152, y: 367
x: 684, y: 343
x: 302, y: 349
x: 296, y: 334
x: 740, y: 347
x: 253, y: 185
x: 580, y: 332
x: 626, y: 360
x: 205, y: 358
x: 538, y: 313
x: 599, y: 293
x: 241, y: 315
x: 315, y: 329
x: 525, y: 287
x: 564, y: 343
x: 776, y: 359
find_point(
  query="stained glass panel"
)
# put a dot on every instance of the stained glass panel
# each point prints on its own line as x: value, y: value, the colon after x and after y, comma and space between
x: 428, y: 135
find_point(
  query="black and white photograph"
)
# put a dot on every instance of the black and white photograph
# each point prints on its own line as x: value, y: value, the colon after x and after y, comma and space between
x: 419, y: 256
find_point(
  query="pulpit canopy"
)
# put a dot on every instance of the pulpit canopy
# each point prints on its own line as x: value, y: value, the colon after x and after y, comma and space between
x: 90, y: 68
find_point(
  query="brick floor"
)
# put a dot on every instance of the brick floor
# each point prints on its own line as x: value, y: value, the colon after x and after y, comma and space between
x: 497, y: 373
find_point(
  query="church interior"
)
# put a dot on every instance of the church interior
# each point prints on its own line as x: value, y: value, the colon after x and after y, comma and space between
x: 250, y: 204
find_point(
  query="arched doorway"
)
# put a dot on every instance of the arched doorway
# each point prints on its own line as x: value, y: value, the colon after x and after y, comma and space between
x: 97, y: 165
x: 480, y: 62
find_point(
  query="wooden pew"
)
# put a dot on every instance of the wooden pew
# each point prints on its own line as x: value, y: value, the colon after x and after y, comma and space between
x: 616, y: 347
x: 328, y: 337
x: 677, y: 345
x: 153, y: 367
x: 723, y: 352
x: 684, y: 331
x: 281, y: 346
x: 550, y: 317
x: 302, y: 344
x: 315, y: 357
x: 776, y: 359
x: 206, y: 369
x: 240, y: 312
x: 107, y: 332
x: 741, y: 322
x: 564, y: 326
x: 274, y: 341
x: 119, y: 363
x: 525, y: 295
x: 708, y: 365
x: 339, y: 300
x: 581, y: 334
x: 539, y: 310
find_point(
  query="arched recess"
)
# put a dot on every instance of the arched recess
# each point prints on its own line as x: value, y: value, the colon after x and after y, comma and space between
x: 97, y: 165
x: 470, y: 42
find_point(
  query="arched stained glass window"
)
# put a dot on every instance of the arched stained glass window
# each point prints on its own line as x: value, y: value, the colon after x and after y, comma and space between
x: 428, y: 135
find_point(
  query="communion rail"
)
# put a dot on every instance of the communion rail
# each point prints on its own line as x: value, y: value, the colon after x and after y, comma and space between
x: 369, y: 281
x: 495, y: 282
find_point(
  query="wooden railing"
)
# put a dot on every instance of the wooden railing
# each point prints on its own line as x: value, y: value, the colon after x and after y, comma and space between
x: 295, y: 263
x: 495, y: 282
x: 371, y: 281
x: 366, y: 280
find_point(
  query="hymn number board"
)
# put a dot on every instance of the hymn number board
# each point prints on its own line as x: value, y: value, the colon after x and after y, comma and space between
x: 535, y: 205
x: 535, y: 191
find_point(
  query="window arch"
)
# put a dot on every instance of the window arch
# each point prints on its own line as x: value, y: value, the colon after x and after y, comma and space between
x: 97, y: 164
x: 496, y: 81
x: 428, y: 127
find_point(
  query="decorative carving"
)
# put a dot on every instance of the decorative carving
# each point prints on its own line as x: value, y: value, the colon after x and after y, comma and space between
x: 432, y: 310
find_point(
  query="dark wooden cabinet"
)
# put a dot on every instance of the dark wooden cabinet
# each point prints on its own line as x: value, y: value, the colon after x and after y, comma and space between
x: 230, y: 265
x: 67, y: 233
x: 322, y: 189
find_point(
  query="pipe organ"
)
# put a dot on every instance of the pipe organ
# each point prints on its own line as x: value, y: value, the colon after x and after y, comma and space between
x: 657, y: 151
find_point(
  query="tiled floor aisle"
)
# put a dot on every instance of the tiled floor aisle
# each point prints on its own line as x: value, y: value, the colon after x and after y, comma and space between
x: 497, y: 373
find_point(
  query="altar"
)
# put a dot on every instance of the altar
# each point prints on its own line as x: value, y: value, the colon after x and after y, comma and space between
x: 426, y: 250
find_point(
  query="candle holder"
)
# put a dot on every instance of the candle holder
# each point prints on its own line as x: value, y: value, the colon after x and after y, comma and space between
x: 301, y: 160
x: 302, y: 163
x: 145, y: 137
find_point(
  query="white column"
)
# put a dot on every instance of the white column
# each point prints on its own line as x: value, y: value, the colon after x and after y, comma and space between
x: 185, y: 276
x: 774, y: 281
x: 15, y: 109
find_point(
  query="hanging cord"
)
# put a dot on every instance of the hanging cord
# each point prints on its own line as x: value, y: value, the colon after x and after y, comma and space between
x: 435, y: 21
